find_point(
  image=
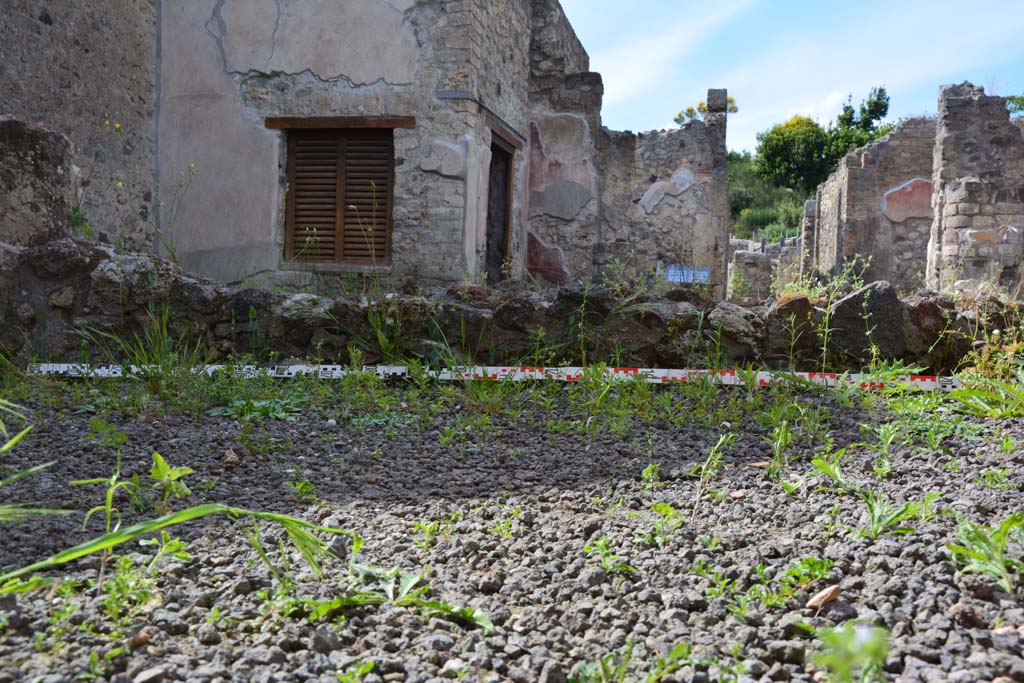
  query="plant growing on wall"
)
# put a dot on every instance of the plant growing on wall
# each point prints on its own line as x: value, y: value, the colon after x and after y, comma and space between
x: 692, y: 113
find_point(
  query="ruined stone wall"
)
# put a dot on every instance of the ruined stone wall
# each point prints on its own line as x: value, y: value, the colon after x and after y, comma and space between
x: 808, y: 237
x: 190, y: 84
x: 978, y: 191
x: 502, y: 58
x: 58, y: 289
x: 831, y: 221
x: 231, y: 65
x: 565, y: 123
x: 662, y: 201
x: 555, y: 50
x: 877, y: 207
x: 88, y: 70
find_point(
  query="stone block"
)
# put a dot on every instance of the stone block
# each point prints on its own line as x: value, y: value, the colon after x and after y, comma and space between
x: 957, y: 222
x: 718, y: 100
x: 35, y: 183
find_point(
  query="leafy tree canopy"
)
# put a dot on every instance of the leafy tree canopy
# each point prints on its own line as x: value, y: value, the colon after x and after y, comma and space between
x: 1015, y: 103
x: 799, y: 154
x: 794, y: 154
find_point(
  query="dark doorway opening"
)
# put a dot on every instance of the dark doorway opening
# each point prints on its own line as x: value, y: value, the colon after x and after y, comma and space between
x: 499, y: 213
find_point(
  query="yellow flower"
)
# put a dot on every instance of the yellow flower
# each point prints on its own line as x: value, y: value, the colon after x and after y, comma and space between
x: 120, y: 185
x: 117, y: 126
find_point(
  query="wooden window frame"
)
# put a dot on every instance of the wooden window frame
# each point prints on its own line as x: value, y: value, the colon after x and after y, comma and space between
x: 343, y: 136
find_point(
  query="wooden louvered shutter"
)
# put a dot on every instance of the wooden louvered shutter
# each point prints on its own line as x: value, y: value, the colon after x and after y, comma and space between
x: 341, y: 194
x: 366, y: 237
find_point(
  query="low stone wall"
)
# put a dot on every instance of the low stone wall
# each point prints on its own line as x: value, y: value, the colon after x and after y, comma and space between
x: 51, y: 293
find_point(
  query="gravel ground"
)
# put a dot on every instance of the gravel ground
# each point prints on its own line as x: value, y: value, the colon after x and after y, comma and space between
x: 518, y: 495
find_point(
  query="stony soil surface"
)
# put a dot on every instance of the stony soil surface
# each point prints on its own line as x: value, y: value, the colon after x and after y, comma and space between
x: 516, y: 506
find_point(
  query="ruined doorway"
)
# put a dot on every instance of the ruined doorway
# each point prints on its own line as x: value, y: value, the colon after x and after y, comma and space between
x: 499, y: 212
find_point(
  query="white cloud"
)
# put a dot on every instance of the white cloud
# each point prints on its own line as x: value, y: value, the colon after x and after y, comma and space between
x: 641, y: 65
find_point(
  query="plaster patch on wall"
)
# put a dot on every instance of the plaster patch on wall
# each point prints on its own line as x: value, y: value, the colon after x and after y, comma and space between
x: 546, y: 260
x: 912, y: 199
x: 681, y: 181
x: 561, y: 178
x: 564, y: 137
x: 367, y: 39
x: 564, y: 199
x: 446, y: 158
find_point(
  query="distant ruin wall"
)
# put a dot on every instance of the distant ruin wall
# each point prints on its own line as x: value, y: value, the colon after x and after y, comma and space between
x: 664, y: 202
x: 978, y: 191
x: 641, y: 203
x: 876, y: 207
x: 88, y: 70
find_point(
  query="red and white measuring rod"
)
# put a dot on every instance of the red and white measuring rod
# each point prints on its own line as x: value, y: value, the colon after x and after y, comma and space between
x: 508, y: 373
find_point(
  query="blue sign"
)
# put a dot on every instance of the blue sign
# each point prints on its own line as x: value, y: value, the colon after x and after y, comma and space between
x: 688, y: 276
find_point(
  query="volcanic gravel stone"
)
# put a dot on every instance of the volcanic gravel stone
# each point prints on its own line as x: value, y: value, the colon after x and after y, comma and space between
x: 515, y: 505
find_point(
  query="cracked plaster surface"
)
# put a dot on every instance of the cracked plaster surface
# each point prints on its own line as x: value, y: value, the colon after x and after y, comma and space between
x: 682, y: 180
x: 361, y: 41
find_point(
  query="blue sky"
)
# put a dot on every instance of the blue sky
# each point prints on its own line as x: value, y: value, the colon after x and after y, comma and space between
x: 786, y: 57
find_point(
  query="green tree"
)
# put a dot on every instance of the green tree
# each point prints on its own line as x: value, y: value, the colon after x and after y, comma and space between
x: 692, y: 113
x: 800, y: 154
x: 855, y: 128
x: 794, y: 154
x: 1015, y: 103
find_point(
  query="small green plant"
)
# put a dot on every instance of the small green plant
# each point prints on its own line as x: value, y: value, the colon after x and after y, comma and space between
x: 887, y: 434
x: 985, y: 550
x: 355, y: 673
x: 780, y: 440
x: 244, y: 410
x: 709, y: 468
x: 126, y: 590
x: 299, y: 532
x: 15, y: 512
x: 614, y: 667
x: 828, y: 466
x: 154, y: 357
x: 884, y: 517
x: 663, y: 527
x: 996, y: 479
x: 709, y: 542
x: 606, y: 557
x: 168, y: 482
x: 650, y: 477
x: 106, y: 434
x: 853, y: 653
x: 992, y: 399
x: 303, y: 490
x: 429, y: 530
x: 166, y: 547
